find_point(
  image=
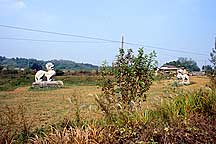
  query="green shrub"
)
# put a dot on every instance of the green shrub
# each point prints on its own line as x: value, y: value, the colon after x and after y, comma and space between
x: 186, y: 103
x: 125, y: 83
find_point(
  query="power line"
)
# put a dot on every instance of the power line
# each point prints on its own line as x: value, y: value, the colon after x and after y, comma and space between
x: 93, y: 38
x: 161, y: 48
x: 46, y: 40
x: 63, y: 41
x: 57, y: 33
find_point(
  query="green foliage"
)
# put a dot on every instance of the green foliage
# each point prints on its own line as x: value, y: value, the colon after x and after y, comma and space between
x: 186, y: 103
x: 13, y: 81
x: 36, y: 67
x: 39, y: 64
x: 207, y: 69
x: 189, y: 64
x: 59, y: 72
x: 78, y: 80
x: 124, y: 85
x: 213, y: 56
x: 212, y: 74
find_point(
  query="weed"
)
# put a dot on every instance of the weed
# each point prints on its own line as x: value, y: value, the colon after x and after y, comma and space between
x: 14, y: 125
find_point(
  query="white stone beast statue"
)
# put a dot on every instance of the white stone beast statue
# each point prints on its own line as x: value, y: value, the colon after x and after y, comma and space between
x: 183, y: 74
x: 50, y: 72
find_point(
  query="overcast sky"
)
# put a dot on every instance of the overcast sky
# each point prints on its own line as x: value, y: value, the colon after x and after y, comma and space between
x: 178, y: 25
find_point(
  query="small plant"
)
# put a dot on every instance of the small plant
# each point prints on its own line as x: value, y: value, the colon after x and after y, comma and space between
x: 15, y: 126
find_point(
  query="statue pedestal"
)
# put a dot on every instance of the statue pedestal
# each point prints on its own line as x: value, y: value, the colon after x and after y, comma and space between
x: 45, y: 84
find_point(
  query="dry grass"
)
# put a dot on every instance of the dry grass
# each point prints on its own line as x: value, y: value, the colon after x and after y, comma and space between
x: 159, y: 91
x: 48, y: 107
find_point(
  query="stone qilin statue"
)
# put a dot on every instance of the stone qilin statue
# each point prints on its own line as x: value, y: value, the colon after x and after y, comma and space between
x: 183, y: 74
x: 49, y: 74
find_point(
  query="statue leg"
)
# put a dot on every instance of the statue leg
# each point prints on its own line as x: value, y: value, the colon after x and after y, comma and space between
x: 39, y: 75
x: 48, y: 78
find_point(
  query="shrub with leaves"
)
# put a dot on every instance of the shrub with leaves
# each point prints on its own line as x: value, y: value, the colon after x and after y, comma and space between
x: 212, y: 74
x: 125, y: 83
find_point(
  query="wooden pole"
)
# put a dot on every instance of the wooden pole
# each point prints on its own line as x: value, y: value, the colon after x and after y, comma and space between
x: 122, y: 41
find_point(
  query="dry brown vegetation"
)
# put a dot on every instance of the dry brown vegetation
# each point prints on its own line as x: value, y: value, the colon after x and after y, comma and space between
x: 47, y: 107
x: 27, y: 111
x: 51, y: 105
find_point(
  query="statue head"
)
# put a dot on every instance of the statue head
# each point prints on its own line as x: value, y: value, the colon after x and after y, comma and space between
x: 49, y: 66
x: 179, y: 71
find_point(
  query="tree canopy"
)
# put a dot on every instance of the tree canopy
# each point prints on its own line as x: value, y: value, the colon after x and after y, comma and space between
x: 212, y: 74
x: 207, y: 68
x: 213, y: 56
x: 189, y: 64
x: 40, y: 64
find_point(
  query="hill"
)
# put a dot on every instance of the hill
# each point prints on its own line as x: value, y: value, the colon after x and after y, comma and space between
x: 39, y: 64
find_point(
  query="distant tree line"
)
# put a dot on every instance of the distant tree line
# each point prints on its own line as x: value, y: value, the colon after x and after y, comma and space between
x: 40, y: 64
x: 189, y: 64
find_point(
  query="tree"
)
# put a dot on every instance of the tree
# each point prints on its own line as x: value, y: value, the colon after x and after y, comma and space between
x: 212, y: 75
x: 207, y: 68
x: 125, y: 83
x: 189, y: 64
x: 59, y: 72
x: 1, y: 68
x: 213, y: 56
x: 36, y: 67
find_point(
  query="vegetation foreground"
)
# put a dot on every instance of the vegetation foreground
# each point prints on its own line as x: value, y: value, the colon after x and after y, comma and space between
x: 71, y: 115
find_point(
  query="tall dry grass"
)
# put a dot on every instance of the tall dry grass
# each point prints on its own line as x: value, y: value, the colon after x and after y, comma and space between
x: 189, y: 118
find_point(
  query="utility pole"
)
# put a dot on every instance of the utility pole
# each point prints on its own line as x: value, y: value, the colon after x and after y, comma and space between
x: 215, y: 43
x: 122, y: 41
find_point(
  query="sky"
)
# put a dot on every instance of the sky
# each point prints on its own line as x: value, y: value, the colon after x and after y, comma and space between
x: 188, y: 26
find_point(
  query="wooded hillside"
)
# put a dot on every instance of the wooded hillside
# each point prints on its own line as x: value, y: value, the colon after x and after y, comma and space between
x: 39, y: 64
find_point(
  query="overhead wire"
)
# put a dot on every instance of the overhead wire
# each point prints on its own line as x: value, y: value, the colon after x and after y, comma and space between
x: 91, y: 38
x: 47, y: 40
x: 166, y: 49
x: 58, y: 33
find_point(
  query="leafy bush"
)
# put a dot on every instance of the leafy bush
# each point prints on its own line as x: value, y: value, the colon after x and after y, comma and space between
x: 212, y: 74
x: 125, y: 83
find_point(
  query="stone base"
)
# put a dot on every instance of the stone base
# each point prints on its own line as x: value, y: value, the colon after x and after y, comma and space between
x: 45, y: 84
x: 185, y: 83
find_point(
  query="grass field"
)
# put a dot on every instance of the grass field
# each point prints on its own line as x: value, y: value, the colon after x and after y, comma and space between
x: 50, y: 106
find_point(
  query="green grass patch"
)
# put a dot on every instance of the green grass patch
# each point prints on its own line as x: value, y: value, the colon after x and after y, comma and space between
x: 42, y: 89
x: 78, y: 80
x: 179, y: 84
x: 12, y: 81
